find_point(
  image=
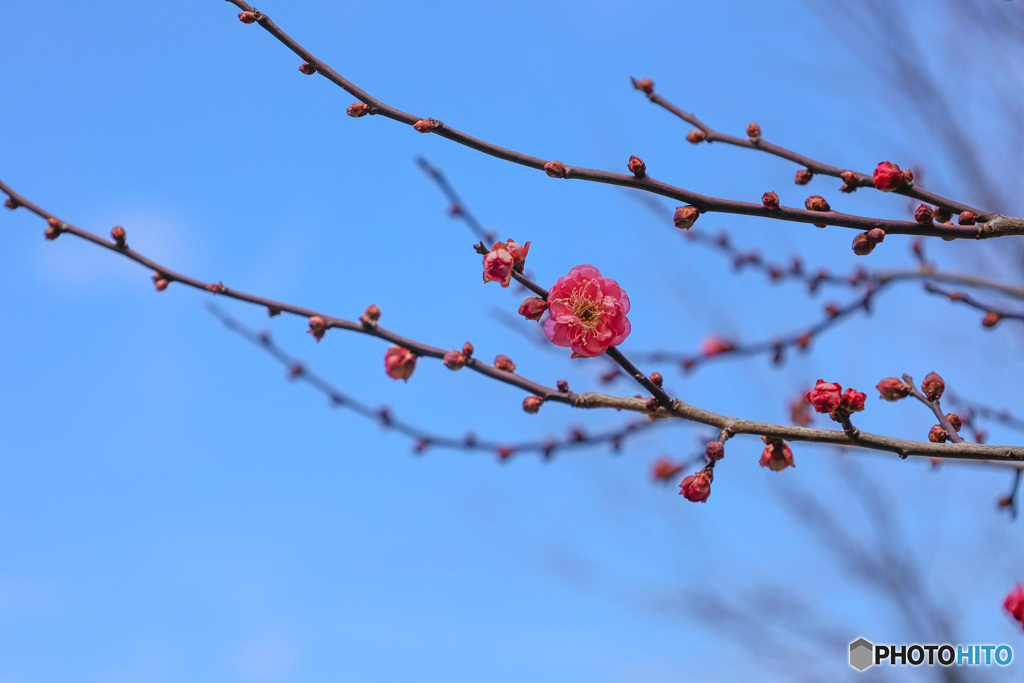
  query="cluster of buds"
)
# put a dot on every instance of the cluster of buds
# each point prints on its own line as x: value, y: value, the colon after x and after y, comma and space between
x: 864, y: 243
x: 697, y: 487
x: 776, y: 455
x: 939, y: 434
x: 503, y: 259
x: 828, y: 397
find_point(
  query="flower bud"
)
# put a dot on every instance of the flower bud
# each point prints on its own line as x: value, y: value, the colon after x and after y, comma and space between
x: 850, y: 181
x: 467, y: 349
x: 425, y: 126
x: 498, y: 265
x: 776, y: 455
x: 816, y: 203
x: 317, y: 327
x: 453, y: 360
x: 556, y: 169
x: 11, y: 203
x: 876, y: 235
x: 825, y: 396
x: 504, y: 363
x: 399, y: 363
x: 160, y: 283
x: 307, y: 68
x: 644, y: 84
x: 887, y: 177
x: 853, y: 401
x: 53, y: 229
x: 533, y: 308
x: 531, y: 404
x: 656, y: 379
x: 892, y: 389
x: 563, y: 386
x: 685, y: 217
x: 770, y: 200
x: 216, y: 288
x: 862, y: 244
x: 714, y: 345
x: 942, y: 214
x: 370, y: 316
x: 637, y: 166
x: 697, y: 487
x: 937, y: 434
x: 358, y: 109
x: 715, y: 451
x: 803, y: 176
x: 924, y: 214
x: 753, y: 131
x: 955, y: 421
x: 696, y: 136
x: 991, y: 319
x: 933, y: 386
x: 247, y: 17
x: 967, y: 218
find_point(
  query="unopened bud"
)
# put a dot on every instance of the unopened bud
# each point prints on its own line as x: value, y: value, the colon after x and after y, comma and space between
x: 887, y: 177
x: 453, y: 360
x: 753, y: 131
x: 803, y: 176
x: 307, y: 68
x: 317, y: 327
x: 247, y: 17
x: 924, y: 214
x: 685, y: 217
x: 11, y: 203
x: 770, y: 200
x: 118, y: 235
x: 637, y: 166
x: 937, y: 434
x: 876, y: 235
x: 358, y: 109
x: 531, y: 404
x: 862, y: 244
x: 991, y: 319
x: 370, y: 316
x: 160, y: 283
x: 425, y: 126
x: 467, y: 349
x: 892, y: 389
x: 850, y: 181
x: 53, y: 229
x: 563, y: 386
x: 656, y: 379
x: 533, y: 308
x: 816, y: 203
x: 715, y: 451
x: 556, y: 169
x: 504, y: 363
x: 933, y: 386
x: 696, y: 135
x: 942, y: 214
x: 967, y: 218
x: 644, y: 84
x: 955, y: 421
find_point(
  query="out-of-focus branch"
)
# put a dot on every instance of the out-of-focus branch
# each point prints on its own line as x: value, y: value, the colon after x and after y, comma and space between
x: 638, y: 179
x: 993, y: 314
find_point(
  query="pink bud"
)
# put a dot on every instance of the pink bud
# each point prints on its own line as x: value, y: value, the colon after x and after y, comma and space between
x: 685, y: 217
x: 1014, y: 603
x: 117, y: 234
x: 247, y: 17
x: 753, y: 131
x: 358, y: 109
x: 853, y: 401
x: 307, y: 68
x: 533, y: 308
x: 803, y: 176
x: 656, y: 379
x: 399, y: 362
x: 892, y: 389
x: 453, y: 360
x: 942, y: 214
x: 467, y: 349
x: 697, y: 487
x: 991, y: 319
x: 770, y: 200
x: 425, y: 126
x: 924, y: 214
x: 825, y: 396
x: 504, y: 363
x: 556, y: 169
x: 370, y: 316
x: 532, y: 404
x: 715, y: 451
x: 955, y: 421
x: 317, y: 327
x: 937, y: 434
x: 715, y: 345
x: 862, y: 244
x: 876, y: 235
x: 637, y: 166
x: 53, y: 229
x: 850, y: 181
x: 498, y: 266
x: 696, y: 136
x: 664, y: 469
x: 563, y: 386
x: 933, y: 386
x: 644, y: 84
x: 888, y: 177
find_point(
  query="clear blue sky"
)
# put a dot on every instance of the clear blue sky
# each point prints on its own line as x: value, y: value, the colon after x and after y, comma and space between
x: 172, y: 509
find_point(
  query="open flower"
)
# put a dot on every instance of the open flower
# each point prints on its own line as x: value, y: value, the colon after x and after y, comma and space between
x: 588, y: 312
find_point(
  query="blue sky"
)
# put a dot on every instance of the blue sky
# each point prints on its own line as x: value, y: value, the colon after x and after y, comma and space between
x: 171, y: 508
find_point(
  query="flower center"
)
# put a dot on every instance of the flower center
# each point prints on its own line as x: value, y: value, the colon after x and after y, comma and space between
x: 587, y: 311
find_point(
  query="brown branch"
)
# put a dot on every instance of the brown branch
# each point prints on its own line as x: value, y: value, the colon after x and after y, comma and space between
x: 993, y: 314
x: 640, y: 181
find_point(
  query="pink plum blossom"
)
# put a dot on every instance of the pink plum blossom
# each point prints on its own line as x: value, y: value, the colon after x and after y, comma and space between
x: 587, y: 312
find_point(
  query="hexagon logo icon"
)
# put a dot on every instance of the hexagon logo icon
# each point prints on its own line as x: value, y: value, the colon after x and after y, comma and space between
x: 862, y: 654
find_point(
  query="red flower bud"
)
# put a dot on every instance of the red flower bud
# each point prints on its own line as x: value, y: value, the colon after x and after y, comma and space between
x: 753, y: 131
x: 696, y: 136
x: 955, y: 421
x: 816, y: 203
x: 556, y: 169
x: 1014, y: 603
x: 991, y: 319
x: 776, y: 455
x: 425, y: 126
x: 399, y: 362
x: 563, y: 386
x: 531, y: 404
x: 685, y: 217
x: 714, y: 345
x: 937, y: 434
x: 160, y: 283
x: 467, y: 349
x: 644, y: 84
x: 358, y: 109
x: 862, y: 244
x: 117, y: 234
x: 317, y: 327
x: 370, y: 316
x: 714, y: 451
x: 533, y: 308
x: 307, y: 68
x: 656, y: 379
x: 504, y: 363
x: 770, y: 201
x: 11, y: 203
x: 850, y: 181
x: 892, y: 389
x: 967, y: 218
x: 825, y: 396
x: 853, y: 401
x: 453, y: 360
x: 637, y: 166
x: 664, y: 470
x: 924, y: 214
x: 53, y: 229
x: 933, y: 386
x: 697, y: 487
x: 888, y: 177
x: 247, y: 17
x: 803, y: 176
